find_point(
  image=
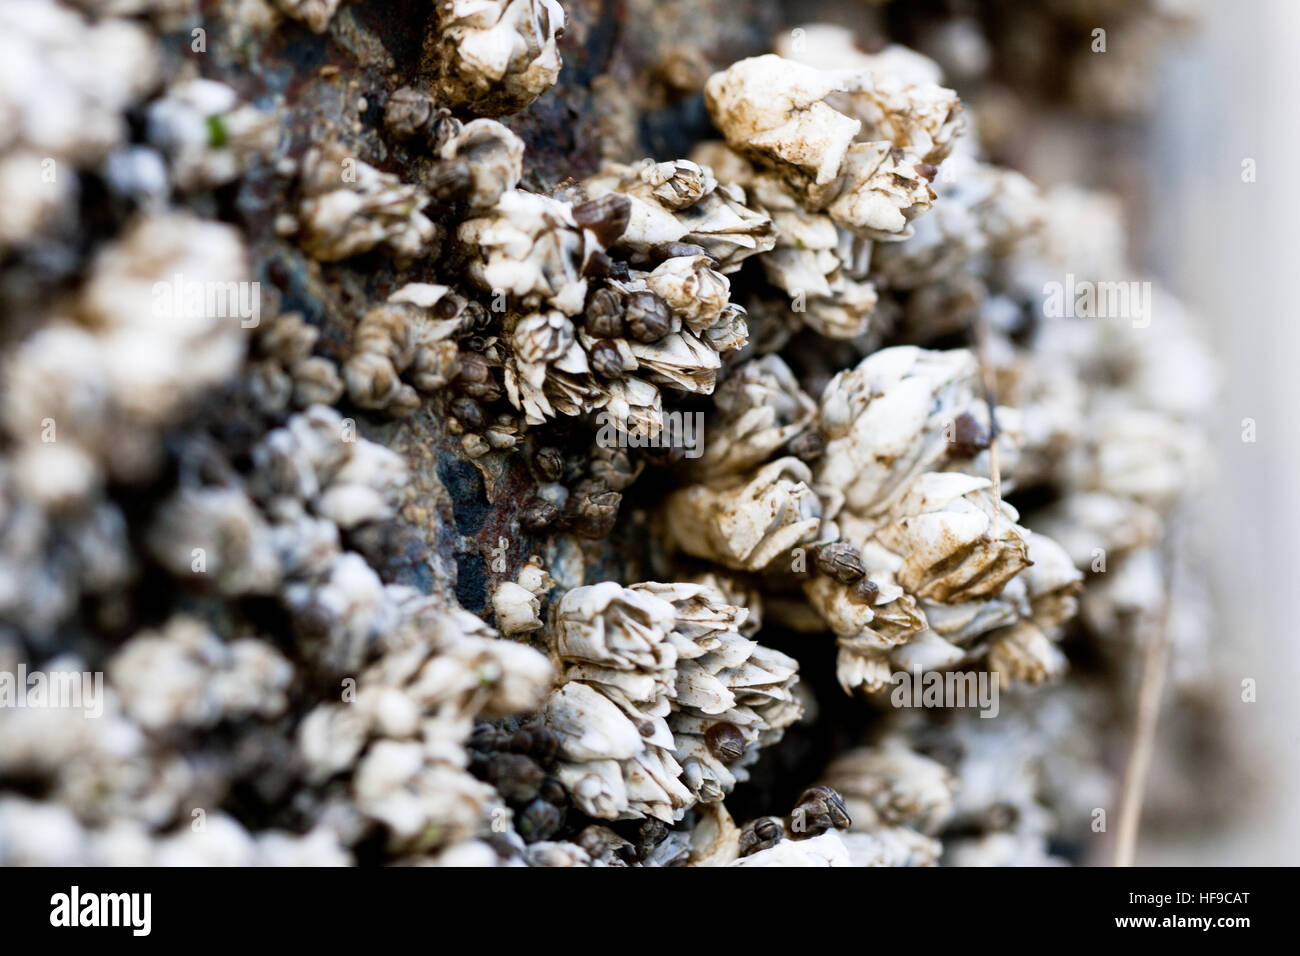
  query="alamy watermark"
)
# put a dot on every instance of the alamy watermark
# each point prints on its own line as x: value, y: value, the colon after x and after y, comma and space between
x: 215, y: 300
x: 75, y: 908
x: 51, y: 690
x: 683, y: 430
x: 935, y: 689
x: 1085, y: 299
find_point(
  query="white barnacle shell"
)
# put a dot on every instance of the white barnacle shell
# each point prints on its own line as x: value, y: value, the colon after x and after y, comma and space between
x: 142, y: 349
x: 692, y: 289
x: 1023, y: 653
x: 895, y: 93
x: 238, y: 546
x: 529, y: 247
x: 962, y: 623
x: 845, y: 312
x: 774, y: 111
x: 892, y: 618
x: 593, y: 732
x: 516, y: 608
x: 534, y: 577
x: 958, y: 543
x: 826, y: 849
x: 728, y: 679
x: 548, y: 853
x: 861, y: 668
x: 746, y: 522
x: 349, y: 207
x: 613, y: 626
x: 678, y: 183
x: 729, y: 332
x: 715, y: 838
x: 777, y: 112
x: 69, y: 81
x: 817, y: 261
x: 184, y: 675
x: 1052, y: 582
x: 495, y: 156
x: 885, y: 422
x: 892, y: 846
x: 927, y: 651
x: 682, y: 201
x: 635, y: 406
x: 681, y: 360
x: 759, y: 408
x: 542, y: 337
x: 497, y: 56
x: 882, y: 189
x: 315, y: 13
x: 889, y: 784
x: 403, y: 339
x: 209, y: 136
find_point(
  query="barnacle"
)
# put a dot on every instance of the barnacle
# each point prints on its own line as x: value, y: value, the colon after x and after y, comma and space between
x: 349, y: 207
x: 496, y: 56
x: 209, y: 137
x: 487, y: 471
x: 411, y: 335
x: 682, y: 202
x: 747, y: 521
x: 779, y: 113
x: 315, y: 13
x: 651, y: 669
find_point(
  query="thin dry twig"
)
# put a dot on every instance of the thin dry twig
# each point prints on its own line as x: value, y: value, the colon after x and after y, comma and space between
x: 990, y: 399
x: 1154, y: 666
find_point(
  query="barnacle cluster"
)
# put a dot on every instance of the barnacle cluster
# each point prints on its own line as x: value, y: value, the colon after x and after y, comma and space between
x: 358, y: 461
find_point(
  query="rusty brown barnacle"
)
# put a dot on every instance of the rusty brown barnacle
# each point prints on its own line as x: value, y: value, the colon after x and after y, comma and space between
x: 594, y: 508
x: 864, y: 591
x: 408, y: 111
x: 486, y: 737
x: 969, y: 437
x: 538, y: 515
x: 603, y: 316
x: 540, y: 820
x: 468, y: 412
x: 475, y: 377
x: 601, y: 265
x: 450, y: 180
x: 474, y: 368
x: 725, y: 741
x: 649, y: 835
x: 819, y: 809
x: 647, y: 316
x: 808, y: 445
x: 474, y: 317
x: 540, y: 743
x: 549, y: 462
x: 603, y: 844
x: 449, y: 306
x: 605, y: 359
x: 663, y: 251
x: 841, y: 561
x: 552, y: 791
x: 760, y: 834
x: 606, y: 217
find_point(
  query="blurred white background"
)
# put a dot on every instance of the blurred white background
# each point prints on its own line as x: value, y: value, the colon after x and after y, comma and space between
x: 1231, y: 250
